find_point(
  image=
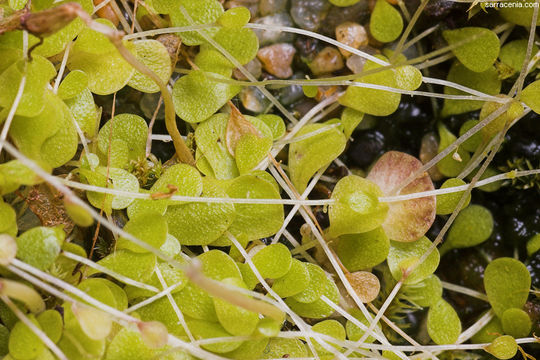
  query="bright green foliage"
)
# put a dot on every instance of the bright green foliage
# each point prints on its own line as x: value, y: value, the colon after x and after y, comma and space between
x: 268, y: 327
x: 211, y: 60
x: 235, y: 17
x: 94, y: 54
x: 279, y: 347
x: 451, y: 165
x: 206, y: 330
x: 72, y: 85
x: 65, y: 266
x: 504, y: 347
x: 533, y: 245
x: 23, y: 343
x: 273, y: 261
x: 249, y: 277
x: 489, y: 332
x: 331, y: 328
x: 218, y: 266
x: 314, y: 290
x: 155, y: 56
x: 530, y: 96
x: 137, y: 266
x: 50, y: 136
x: 121, y: 180
x: 516, y: 323
x: 128, y: 344
x: 38, y: 73
x: 141, y: 206
x: 9, y: 218
x: 40, y: 246
x: 317, y: 309
x: 171, y: 247
x: 234, y: 319
x: 310, y: 91
x: 373, y: 101
x: 354, y: 332
x: 487, y: 82
x: 363, y: 251
x: 513, y: 53
x: 477, y: 47
x: 443, y: 324
x: 307, y: 156
x: 425, y: 293
x: 52, y: 324
x: 385, y: 23
x: 294, y: 281
x: 201, y: 12
x: 248, y: 350
x: 250, y: 150
x: 472, y: 143
x: 4, y: 338
x: 520, y: 15
x: 151, y: 228
x: 13, y: 174
x: 255, y: 221
x: 350, y: 119
x: 446, y: 203
x: 161, y: 310
x: 472, y: 226
x: 403, y: 256
x: 507, y: 282
x: 497, y: 125
x: 185, y: 178
x: 408, y: 77
x: 17, y: 4
x: 275, y: 124
x: 201, y: 223
x: 241, y: 43
x: 99, y: 289
x: 197, y: 97
x: 129, y: 128
x: 84, y: 111
x: 196, y: 303
x: 357, y: 208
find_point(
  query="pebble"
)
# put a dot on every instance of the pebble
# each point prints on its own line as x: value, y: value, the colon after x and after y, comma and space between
x: 254, y: 100
x: 428, y: 150
x: 327, y: 60
x: 270, y: 37
x: 254, y: 67
x: 308, y: 14
x: 358, y: 13
x: 351, y: 34
x: 356, y: 63
x: 290, y: 94
x: 366, y: 147
x: 277, y: 59
x: 269, y: 7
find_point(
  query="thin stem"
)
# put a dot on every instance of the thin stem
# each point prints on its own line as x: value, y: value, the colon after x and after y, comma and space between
x: 464, y: 290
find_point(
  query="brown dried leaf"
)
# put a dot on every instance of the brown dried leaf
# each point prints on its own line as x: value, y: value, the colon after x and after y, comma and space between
x: 237, y: 126
x: 365, y: 284
x: 48, y: 205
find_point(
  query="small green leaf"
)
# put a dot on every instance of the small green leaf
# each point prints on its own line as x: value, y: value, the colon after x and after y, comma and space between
x: 426, y: 293
x: 479, y: 47
x: 206, y: 330
x: 40, y: 246
x: 513, y: 53
x: 350, y: 119
x: 294, y: 281
x: 196, y: 97
x: 507, y: 282
x: 314, y: 289
x: 363, y: 251
x: 516, y: 323
x: 241, y: 43
x: 121, y: 180
x: 331, y: 328
x: 136, y: 266
x: 356, y: 208
x: 185, y: 178
x: 472, y: 143
x: 385, y: 23
x: 354, y: 332
x: 52, y: 324
x: 403, y: 256
x: 201, y: 12
x: 530, y: 96
x: 487, y: 82
x: 472, y: 226
x: 373, y: 101
x: 451, y: 165
x: 234, y: 319
x: 155, y: 57
x: 151, y: 228
x: 489, y: 332
x: 521, y: 15
x: 279, y: 347
x: 446, y: 203
x: 84, y: 111
x: 129, y: 128
x: 504, y: 347
x: 273, y: 261
x: 443, y: 324
x: 307, y: 156
x: 275, y: 124
x: 235, y: 17
x: 408, y: 77
x: 23, y: 343
x: 72, y: 85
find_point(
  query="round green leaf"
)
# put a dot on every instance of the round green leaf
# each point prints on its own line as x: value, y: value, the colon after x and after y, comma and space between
x: 294, y: 281
x: 472, y: 226
x: 363, y: 251
x: 155, y: 56
x: 385, y: 23
x: 516, y: 323
x: 443, y: 324
x: 403, y: 256
x: 236, y: 320
x: 273, y: 261
x: 40, y: 246
x: 149, y: 227
x: 477, y: 48
x: 446, y: 203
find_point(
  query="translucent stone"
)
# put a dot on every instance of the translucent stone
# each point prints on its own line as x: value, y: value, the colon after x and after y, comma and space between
x: 270, y: 37
x: 308, y: 14
x: 254, y: 67
x: 352, y: 34
x: 277, y: 59
x: 327, y: 60
x: 268, y: 7
x: 253, y: 100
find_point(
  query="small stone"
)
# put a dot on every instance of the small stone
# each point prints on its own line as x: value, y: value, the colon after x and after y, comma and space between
x: 254, y: 67
x: 269, y: 7
x: 277, y: 59
x: 351, y: 34
x: 356, y: 63
x: 290, y: 94
x: 308, y: 14
x: 172, y: 43
x: 270, y: 37
x: 253, y: 100
x: 358, y: 13
x: 428, y: 150
x: 327, y: 60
